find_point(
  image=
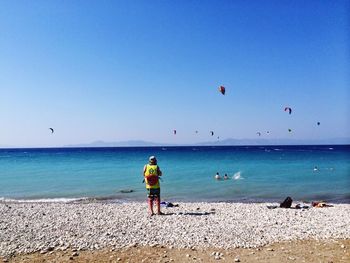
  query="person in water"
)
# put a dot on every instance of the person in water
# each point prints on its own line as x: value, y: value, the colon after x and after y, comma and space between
x: 151, y: 173
x: 225, y: 177
x: 217, y: 176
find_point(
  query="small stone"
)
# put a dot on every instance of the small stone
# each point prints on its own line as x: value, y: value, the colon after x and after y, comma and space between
x: 119, y: 259
x: 291, y: 258
x: 71, y: 258
x: 237, y: 260
x: 75, y: 254
x: 270, y: 249
x: 342, y: 246
x: 50, y: 248
x: 188, y: 255
x: 43, y: 252
x: 217, y: 257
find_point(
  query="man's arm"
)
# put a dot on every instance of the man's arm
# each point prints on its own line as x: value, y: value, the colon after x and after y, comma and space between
x: 144, y: 170
x: 159, y: 172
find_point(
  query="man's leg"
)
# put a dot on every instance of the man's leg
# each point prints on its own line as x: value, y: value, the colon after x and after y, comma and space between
x: 150, y: 205
x: 150, y: 198
x: 158, y: 202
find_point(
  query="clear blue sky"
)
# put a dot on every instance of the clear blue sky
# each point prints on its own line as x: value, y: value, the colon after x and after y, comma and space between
x: 124, y: 70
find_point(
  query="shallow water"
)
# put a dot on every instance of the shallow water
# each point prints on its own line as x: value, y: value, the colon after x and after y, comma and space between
x: 256, y: 173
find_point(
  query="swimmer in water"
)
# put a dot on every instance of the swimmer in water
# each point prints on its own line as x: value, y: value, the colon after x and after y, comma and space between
x: 217, y: 176
x: 315, y: 169
x: 225, y: 177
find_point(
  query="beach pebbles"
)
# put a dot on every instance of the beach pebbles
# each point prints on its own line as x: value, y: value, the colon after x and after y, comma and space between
x: 30, y: 227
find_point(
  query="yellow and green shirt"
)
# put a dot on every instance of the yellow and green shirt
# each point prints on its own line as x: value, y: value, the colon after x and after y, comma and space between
x: 151, y: 176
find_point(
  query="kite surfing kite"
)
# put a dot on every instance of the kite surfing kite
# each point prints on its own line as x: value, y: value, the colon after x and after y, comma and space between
x: 258, y: 133
x: 212, y: 133
x: 318, y: 123
x: 288, y: 109
x: 222, y: 90
x: 174, y: 132
x: 52, y: 131
x: 290, y: 130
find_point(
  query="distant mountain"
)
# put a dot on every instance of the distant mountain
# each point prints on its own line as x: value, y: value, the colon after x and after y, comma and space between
x: 238, y: 142
x: 5, y: 146
x: 225, y: 142
x: 131, y: 143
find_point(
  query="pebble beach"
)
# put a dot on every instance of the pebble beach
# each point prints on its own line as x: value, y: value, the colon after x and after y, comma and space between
x: 44, y: 227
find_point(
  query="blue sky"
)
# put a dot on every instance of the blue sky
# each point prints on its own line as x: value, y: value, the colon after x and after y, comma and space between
x: 125, y: 70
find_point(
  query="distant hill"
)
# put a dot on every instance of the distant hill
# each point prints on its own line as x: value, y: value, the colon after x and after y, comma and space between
x: 5, y: 146
x: 225, y: 142
x: 131, y: 143
x: 238, y: 142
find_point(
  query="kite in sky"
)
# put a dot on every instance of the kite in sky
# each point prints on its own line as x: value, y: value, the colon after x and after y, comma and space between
x: 212, y: 133
x: 174, y: 132
x: 222, y: 90
x: 52, y: 131
x: 318, y: 123
x: 288, y: 109
x: 258, y: 133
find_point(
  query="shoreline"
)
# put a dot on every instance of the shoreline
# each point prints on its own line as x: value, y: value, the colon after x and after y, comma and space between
x: 114, y: 200
x: 45, y: 227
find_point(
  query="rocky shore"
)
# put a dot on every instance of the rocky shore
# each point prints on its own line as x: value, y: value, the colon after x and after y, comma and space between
x: 46, y: 227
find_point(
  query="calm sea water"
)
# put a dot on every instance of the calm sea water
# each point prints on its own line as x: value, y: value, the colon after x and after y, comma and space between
x: 263, y: 173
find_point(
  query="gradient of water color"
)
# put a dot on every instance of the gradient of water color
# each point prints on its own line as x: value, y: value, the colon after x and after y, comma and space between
x: 257, y: 173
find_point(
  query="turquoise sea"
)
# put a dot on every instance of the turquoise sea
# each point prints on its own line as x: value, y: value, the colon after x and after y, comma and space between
x: 257, y: 173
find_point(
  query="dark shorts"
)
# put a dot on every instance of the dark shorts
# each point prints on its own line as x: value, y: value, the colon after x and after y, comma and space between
x: 151, y: 193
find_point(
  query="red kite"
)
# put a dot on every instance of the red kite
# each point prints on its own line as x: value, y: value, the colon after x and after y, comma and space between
x: 222, y: 90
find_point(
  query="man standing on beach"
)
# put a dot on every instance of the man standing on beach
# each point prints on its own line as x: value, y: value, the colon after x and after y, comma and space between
x: 151, y: 173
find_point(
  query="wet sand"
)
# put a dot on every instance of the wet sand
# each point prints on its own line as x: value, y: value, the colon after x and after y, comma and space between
x: 294, y: 251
